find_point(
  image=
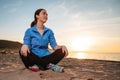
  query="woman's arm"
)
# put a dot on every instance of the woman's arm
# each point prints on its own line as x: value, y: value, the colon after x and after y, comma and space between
x: 26, y: 45
x: 55, y: 46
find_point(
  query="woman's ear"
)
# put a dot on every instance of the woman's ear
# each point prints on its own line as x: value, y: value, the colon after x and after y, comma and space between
x: 37, y: 16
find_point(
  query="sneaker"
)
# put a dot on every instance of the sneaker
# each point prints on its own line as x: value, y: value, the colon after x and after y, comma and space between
x: 56, y: 68
x: 34, y: 68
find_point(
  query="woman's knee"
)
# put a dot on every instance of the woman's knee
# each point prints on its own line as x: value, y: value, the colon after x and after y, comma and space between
x: 59, y: 51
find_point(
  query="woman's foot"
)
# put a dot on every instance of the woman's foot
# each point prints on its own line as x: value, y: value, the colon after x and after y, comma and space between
x: 56, y: 68
x: 34, y: 68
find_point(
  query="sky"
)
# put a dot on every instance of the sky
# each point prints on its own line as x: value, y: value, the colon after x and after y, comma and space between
x: 81, y: 25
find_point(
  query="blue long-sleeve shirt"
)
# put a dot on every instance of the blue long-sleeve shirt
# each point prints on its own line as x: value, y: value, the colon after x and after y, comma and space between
x: 38, y: 43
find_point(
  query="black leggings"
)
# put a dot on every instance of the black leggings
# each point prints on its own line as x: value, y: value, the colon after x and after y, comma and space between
x: 32, y: 59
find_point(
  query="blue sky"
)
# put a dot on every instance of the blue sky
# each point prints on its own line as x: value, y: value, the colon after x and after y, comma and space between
x: 97, y: 19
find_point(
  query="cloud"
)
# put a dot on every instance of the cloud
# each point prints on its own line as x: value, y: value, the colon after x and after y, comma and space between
x: 58, y: 8
x: 12, y: 7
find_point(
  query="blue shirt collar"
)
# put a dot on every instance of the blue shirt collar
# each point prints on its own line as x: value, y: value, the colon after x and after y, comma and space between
x: 35, y: 29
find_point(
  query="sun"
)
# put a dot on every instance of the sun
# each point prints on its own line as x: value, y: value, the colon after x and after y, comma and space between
x: 81, y: 43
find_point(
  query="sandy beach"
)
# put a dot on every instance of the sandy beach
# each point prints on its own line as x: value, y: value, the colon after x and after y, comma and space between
x: 12, y: 68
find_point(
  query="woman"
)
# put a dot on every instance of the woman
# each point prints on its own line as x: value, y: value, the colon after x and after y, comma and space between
x: 34, y: 51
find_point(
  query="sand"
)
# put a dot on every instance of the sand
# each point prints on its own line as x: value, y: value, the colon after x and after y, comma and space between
x: 12, y: 68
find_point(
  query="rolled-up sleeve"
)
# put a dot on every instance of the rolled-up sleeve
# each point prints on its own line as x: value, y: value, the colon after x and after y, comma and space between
x: 27, y: 38
x: 53, y: 42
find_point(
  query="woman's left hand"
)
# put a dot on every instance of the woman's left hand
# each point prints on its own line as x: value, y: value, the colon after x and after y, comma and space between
x: 64, y: 50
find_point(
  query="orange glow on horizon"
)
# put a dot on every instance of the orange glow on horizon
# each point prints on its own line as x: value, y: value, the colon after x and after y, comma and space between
x: 81, y: 43
x: 93, y: 44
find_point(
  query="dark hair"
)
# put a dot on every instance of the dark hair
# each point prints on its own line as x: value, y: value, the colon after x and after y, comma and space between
x: 35, y: 19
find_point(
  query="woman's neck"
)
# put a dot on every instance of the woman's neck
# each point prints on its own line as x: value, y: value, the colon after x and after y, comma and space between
x: 40, y: 25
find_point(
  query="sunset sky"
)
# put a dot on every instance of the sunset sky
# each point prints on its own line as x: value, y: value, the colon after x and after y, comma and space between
x: 81, y: 25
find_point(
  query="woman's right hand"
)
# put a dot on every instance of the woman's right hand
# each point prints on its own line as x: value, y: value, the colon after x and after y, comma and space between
x: 24, y: 50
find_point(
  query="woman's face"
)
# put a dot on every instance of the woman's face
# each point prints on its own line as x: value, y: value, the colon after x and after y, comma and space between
x: 43, y: 16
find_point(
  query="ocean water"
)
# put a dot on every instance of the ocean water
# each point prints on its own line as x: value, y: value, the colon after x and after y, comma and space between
x: 98, y: 56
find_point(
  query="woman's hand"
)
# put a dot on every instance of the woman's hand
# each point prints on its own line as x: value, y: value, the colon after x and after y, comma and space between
x: 64, y: 49
x: 24, y: 50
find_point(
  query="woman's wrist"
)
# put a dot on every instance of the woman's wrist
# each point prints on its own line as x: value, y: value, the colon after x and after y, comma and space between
x: 58, y: 47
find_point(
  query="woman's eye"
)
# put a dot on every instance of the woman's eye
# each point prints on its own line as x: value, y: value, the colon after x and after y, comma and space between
x: 45, y: 13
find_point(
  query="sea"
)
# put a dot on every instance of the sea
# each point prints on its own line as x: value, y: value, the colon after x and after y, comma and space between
x: 97, y: 56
